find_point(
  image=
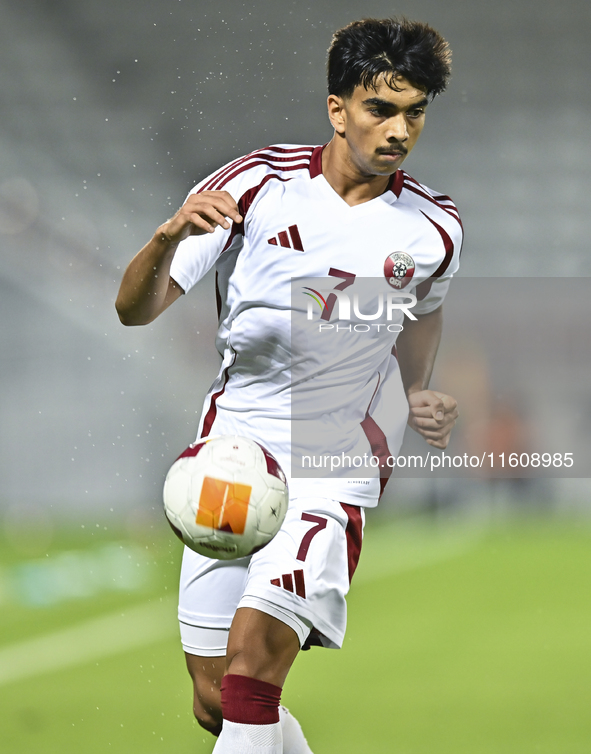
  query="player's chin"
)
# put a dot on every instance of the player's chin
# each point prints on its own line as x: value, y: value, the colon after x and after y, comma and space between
x: 387, y: 164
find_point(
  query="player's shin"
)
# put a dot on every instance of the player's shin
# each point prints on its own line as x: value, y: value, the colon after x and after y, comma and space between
x: 251, y: 717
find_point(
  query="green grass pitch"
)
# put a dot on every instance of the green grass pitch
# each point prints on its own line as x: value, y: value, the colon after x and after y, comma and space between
x: 460, y: 641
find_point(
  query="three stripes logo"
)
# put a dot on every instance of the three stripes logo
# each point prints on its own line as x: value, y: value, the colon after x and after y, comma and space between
x: 290, y: 580
x: 294, y: 582
x: 283, y: 239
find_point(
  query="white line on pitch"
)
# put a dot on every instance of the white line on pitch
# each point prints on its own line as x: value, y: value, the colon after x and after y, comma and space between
x: 390, y: 549
x: 99, y: 637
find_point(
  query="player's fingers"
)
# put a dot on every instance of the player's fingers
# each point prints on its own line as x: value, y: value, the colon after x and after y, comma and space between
x: 427, y: 415
x: 221, y: 200
x: 212, y: 217
x: 433, y: 433
x: 201, y: 224
x: 424, y: 426
x: 426, y: 423
x: 450, y: 405
x: 232, y: 206
x: 423, y: 411
x: 226, y: 209
x: 448, y: 401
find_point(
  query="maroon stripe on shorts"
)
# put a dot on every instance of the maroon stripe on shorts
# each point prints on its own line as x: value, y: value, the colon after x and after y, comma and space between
x: 354, y: 534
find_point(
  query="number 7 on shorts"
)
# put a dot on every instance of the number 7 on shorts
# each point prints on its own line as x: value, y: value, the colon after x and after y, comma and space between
x: 310, y: 534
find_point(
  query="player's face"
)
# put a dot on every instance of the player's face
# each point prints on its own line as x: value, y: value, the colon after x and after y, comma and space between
x: 381, y: 126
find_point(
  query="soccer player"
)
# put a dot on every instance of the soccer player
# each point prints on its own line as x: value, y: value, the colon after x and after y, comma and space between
x: 342, y: 211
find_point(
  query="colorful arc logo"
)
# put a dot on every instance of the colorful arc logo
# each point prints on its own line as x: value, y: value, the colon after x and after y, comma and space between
x: 317, y: 296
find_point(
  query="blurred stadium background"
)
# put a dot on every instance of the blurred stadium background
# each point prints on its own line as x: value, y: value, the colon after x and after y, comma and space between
x: 470, y: 618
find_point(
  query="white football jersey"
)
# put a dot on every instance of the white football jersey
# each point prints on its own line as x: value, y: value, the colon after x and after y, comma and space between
x: 343, y: 376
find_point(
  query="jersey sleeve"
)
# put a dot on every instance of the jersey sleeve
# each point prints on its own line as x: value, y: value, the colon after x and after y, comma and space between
x: 196, y: 255
x: 437, y: 291
x: 431, y: 292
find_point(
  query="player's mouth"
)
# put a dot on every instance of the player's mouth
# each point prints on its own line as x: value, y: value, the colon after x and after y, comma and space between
x: 393, y: 154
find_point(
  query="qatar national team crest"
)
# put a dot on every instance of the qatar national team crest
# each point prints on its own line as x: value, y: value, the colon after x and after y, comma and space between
x: 399, y: 268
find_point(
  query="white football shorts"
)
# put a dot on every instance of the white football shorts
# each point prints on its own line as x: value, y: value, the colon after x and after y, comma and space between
x: 301, y: 577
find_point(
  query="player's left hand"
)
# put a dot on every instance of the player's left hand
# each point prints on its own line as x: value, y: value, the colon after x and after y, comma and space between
x: 433, y: 416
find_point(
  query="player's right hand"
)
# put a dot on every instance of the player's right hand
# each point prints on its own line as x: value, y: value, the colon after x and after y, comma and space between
x: 432, y: 414
x: 201, y: 213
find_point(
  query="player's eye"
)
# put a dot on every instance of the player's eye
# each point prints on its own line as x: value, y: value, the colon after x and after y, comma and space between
x: 379, y: 112
x: 416, y: 113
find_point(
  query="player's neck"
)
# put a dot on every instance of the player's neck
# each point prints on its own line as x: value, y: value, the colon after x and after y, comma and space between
x: 348, y: 182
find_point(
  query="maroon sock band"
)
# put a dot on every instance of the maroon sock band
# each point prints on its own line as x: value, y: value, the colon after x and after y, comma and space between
x: 248, y: 701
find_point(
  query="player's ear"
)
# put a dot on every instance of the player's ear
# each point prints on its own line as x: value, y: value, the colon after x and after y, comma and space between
x: 336, y: 112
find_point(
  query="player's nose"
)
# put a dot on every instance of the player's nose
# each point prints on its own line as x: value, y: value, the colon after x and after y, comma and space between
x: 397, y: 128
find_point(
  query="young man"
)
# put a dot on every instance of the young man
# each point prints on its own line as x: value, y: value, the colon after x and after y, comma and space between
x: 342, y: 211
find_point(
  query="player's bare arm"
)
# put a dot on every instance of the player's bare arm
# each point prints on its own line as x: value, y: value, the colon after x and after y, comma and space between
x: 146, y: 288
x: 432, y: 414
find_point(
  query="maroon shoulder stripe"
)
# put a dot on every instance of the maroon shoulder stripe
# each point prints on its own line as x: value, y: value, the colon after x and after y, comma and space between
x: 295, y: 154
x: 439, y: 201
x: 222, y: 171
x: 244, y: 205
x: 452, y: 212
x: 424, y: 287
x: 287, y: 150
x: 279, y: 168
x: 437, y: 197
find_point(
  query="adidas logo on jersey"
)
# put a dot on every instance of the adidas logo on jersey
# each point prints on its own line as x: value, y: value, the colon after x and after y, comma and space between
x: 282, y: 239
x: 288, y: 581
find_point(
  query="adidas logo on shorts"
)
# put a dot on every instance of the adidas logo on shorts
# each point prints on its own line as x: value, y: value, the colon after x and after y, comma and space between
x: 290, y: 580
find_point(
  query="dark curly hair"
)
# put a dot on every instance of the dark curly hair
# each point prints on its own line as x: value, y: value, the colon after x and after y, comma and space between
x: 364, y: 50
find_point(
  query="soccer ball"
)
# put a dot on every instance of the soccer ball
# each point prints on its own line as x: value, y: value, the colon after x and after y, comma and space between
x: 225, y: 497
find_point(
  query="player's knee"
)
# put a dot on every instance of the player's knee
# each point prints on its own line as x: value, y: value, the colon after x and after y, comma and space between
x: 261, y: 647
